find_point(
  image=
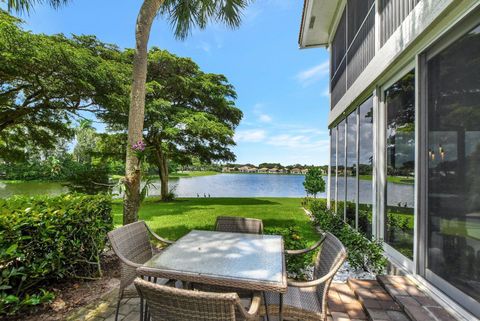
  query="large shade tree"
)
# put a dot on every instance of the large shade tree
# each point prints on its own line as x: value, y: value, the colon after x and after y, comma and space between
x: 47, y: 82
x: 188, y: 114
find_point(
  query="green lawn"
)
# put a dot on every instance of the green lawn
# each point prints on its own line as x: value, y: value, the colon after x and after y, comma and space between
x: 193, y: 174
x: 175, y: 219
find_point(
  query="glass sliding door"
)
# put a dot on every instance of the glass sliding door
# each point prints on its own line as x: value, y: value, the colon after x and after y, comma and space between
x: 351, y: 169
x: 400, y: 140
x: 333, y: 166
x: 365, y: 167
x: 341, y: 169
x: 453, y: 189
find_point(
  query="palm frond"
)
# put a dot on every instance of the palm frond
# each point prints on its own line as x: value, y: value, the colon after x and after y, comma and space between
x: 20, y: 6
x: 185, y: 15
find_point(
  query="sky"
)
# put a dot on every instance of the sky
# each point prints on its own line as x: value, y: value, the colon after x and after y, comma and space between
x: 282, y: 90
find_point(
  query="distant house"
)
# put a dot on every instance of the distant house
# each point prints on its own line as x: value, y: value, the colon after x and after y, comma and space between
x: 273, y: 170
x: 295, y: 171
x: 244, y: 169
x: 225, y: 169
x: 263, y: 170
x: 304, y: 171
x: 252, y: 170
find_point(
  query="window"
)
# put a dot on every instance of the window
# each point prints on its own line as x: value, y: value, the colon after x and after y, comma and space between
x: 453, y: 190
x: 353, y: 46
x: 399, y: 215
x: 341, y: 169
x: 365, y: 167
x: 333, y: 165
x: 392, y: 14
x: 339, y: 44
x: 351, y: 169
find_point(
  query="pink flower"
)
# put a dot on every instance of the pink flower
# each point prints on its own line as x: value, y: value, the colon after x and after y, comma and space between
x: 139, y: 146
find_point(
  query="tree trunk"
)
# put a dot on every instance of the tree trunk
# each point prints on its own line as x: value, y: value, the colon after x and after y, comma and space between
x: 162, y: 165
x: 132, y: 180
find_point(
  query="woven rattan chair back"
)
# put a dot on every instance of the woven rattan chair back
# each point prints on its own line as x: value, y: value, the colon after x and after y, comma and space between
x: 172, y: 304
x: 329, y: 259
x: 239, y: 225
x: 131, y: 242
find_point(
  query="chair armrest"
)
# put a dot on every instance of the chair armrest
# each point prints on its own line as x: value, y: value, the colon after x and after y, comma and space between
x: 254, y: 307
x: 308, y: 284
x: 308, y: 249
x: 127, y: 261
x: 161, y: 239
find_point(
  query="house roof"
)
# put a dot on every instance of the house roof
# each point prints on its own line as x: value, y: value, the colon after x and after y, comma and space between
x: 317, y: 19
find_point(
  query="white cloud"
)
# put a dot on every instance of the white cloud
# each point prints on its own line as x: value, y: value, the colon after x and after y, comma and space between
x: 250, y: 135
x: 287, y: 140
x: 300, y: 142
x: 313, y: 74
x: 264, y: 118
x: 261, y: 116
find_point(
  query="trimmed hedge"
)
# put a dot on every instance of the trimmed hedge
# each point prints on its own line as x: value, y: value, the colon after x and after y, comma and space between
x: 362, y: 252
x: 44, y: 239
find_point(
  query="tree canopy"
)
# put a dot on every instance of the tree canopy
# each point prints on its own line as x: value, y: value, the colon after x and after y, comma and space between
x: 188, y: 113
x: 48, y: 81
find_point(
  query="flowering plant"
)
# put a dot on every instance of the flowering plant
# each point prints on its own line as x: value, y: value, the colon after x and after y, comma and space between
x: 139, y: 149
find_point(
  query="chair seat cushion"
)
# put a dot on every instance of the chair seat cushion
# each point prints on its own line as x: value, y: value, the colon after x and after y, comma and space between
x: 299, y: 303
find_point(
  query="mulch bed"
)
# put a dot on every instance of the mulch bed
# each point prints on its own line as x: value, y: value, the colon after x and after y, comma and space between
x: 73, y: 294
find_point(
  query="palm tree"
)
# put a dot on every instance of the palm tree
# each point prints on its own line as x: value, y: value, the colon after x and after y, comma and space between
x: 184, y: 15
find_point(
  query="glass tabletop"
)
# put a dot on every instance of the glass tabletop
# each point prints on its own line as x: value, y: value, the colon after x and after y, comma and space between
x: 224, y: 255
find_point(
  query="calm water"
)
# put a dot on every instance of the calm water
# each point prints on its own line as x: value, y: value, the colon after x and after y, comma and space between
x: 222, y: 185
x: 31, y: 188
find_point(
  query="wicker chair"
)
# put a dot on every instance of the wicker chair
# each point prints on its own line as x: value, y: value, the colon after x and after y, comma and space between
x: 307, y: 301
x: 238, y: 225
x: 131, y: 243
x: 173, y: 304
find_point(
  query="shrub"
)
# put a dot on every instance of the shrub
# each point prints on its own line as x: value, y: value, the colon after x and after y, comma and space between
x: 362, y: 252
x: 293, y: 240
x: 45, y: 239
x: 89, y: 179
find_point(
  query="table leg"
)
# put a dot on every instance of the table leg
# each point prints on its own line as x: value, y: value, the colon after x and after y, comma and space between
x: 145, y: 318
x: 280, y: 314
x: 141, y: 309
x: 266, y: 307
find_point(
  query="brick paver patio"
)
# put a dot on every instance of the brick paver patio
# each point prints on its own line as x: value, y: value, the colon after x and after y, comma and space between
x: 391, y: 298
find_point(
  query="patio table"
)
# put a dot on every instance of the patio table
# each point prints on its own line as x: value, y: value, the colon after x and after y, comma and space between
x: 246, y: 261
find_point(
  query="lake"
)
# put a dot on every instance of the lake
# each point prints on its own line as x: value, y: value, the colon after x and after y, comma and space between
x: 222, y: 185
